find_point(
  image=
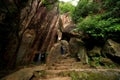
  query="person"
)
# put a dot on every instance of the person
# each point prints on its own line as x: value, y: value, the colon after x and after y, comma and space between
x: 43, y: 58
x: 62, y: 50
x: 39, y: 58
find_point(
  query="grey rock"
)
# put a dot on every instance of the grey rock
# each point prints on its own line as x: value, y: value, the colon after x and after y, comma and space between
x: 77, y: 47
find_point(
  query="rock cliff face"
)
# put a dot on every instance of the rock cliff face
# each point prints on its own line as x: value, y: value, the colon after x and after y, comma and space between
x: 36, y: 25
x: 30, y: 27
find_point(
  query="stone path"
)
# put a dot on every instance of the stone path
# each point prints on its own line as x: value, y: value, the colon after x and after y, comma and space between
x: 55, y: 72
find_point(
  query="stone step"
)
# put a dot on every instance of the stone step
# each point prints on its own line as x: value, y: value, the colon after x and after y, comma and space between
x: 62, y: 67
x: 83, y: 70
x: 58, y: 78
x: 63, y: 64
x: 67, y: 61
x: 54, y: 74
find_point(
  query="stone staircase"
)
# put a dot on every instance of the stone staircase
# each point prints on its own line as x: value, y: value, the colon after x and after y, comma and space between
x: 63, y: 64
x: 58, y: 70
x: 64, y: 69
x: 53, y: 71
x: 61, y: 69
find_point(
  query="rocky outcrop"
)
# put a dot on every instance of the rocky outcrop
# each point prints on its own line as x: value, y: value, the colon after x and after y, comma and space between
x: 96, y: 51
x: 77, y: 48
x: 45, y: 28
x: 67, y: 23
x: 36, y: 24
x: 65, y: 46
x: 68, y: 28
x: 66, y: 20
x: 107, y: 62
x: 55, y: 53
x: 112, y: 50
x: 82, y: 55
x: 24, y: 74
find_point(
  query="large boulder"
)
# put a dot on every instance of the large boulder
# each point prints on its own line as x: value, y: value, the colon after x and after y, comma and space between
x: 96, y: 51
x: 112, y: 50
x: 69, y: 28
x: 55, y: 53
x: 25, y: 73
x: 78, y: 49
x: 82, y: 55
x: 106, y: 61
x: 66, y: 46
x: 67, y: 25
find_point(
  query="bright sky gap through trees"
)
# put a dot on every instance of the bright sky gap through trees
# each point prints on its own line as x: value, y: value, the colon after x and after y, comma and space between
x: 74, y: 2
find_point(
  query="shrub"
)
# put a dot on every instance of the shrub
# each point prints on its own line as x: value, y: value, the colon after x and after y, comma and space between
x: 88, y: 17
x: 83, y: 9
x: 97, y: 28
x: 66, y: 7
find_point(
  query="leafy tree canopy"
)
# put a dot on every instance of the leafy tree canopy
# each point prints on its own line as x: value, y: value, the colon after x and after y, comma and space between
x: 66, y: 7
x: 99, y: 19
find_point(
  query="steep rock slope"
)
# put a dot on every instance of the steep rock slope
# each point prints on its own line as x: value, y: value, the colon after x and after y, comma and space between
x: 32, y: 26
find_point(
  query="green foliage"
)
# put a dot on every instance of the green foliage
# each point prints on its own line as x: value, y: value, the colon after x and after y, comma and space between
x: 66, y: 7
x: 98, y: 28
x: 94, y: 75
x: 99, y: 20
x: 46, y: 4
x: 74, y: 75
x: 63, y: 74
x: 42, y: 73
x: 95, y: 61
x: 110, y: 66
x: 98, y: 61
x: 112, y: 8
x: 83, y: 9
x: 49, y: 4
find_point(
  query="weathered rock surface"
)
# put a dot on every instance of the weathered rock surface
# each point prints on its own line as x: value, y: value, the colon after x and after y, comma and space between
x: 77, y: 48
x: 96, y: 51
x: 35, y: 30
x: 23, y: 74
x: 55, y: 52
x: 66, y: 20
x: 75, y: 43
x: 82, y: 55
x: 112, y: 50
x: 68, y: 26
x: 66, y: 46
x: 107, y: 61
x: 111, y: 47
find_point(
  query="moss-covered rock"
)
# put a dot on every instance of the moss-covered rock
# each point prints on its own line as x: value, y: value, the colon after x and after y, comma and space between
x: 78, y: 49
x: 96, y: 51
x: 111, y: 49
